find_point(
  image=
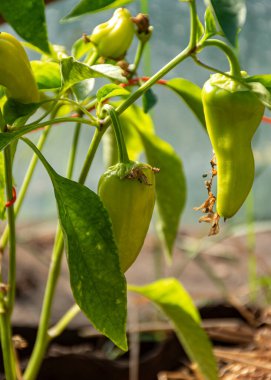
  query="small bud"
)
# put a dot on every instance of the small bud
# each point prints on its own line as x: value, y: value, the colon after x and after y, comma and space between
x: 144, y: 30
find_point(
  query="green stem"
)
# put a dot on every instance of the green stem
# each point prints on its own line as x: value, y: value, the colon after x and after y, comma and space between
x: 235, y: 69
x: 42, y: 339
x: 122, y: 151
x: 193, y: 25
x: 33, y: 126
x: 12, y: 231
x: 7, y: 303
x: 93, y: 58
x: 139, y: 51
x: 25, y: 184
x: 7, y: 347
x: 73, y: 150
x: 90, y: 154
x: 145, y: 86
x: 61, y: 325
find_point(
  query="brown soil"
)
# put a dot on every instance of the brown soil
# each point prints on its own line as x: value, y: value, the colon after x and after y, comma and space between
x: 211, y: 269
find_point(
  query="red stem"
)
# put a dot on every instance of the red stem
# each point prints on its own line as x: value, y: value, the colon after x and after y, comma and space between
x: 14, y: 197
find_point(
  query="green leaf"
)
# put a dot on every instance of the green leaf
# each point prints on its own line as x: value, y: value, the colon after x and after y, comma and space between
x: 261, y: 92
x: 27, y: 18
x: 47, y: 74
x: 81, y: 47
x: 73, y: 71
x: 210, y: 24
x: 87, y: 6
x: 16, y: 113
x: 200, y: 30
x: 170, y: 186
x: 149, y: 99
x: 231, y: 16
x: 98, y: 285
x: 174, y: 301
x: 264, y: 79
x: 2, y: 187
x: 83, y: 89
x: 191, y: 95
x: 109, y: 91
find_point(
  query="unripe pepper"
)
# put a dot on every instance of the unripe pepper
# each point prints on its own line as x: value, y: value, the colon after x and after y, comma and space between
x: 127, y: 191
x: 15, y: 71
x: 233, y: 114
x: 113, y: 38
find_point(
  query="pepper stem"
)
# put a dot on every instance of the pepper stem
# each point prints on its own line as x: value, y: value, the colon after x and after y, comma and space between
x: 235, y: 69
x: 122, y: 150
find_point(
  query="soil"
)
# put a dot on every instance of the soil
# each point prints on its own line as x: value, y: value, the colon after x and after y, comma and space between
x: 215, y: 273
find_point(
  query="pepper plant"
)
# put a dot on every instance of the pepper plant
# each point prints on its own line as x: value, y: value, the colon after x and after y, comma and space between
x: 103, y: 232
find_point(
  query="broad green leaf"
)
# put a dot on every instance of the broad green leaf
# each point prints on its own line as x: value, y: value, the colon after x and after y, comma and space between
x: 231, y: 16
x: 170, y: 186
x: 73, y: 71
x: 149, y: 99
x: 16, y: 113
x: 98, y: 285
x: 47, y: 74
x: 27, y: 18
x: 210, y: 24
x: 83, y: 89
x: 175, y: 302
x: 2, y: 187
x: 87, y: 6
x: 264, y: 79
x: 191, y: 95
x: 110, y: 91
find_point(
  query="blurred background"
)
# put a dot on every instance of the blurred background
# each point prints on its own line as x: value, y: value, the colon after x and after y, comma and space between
x: 173, y: 121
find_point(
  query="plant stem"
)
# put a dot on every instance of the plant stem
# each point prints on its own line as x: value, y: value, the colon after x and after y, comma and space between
x: 235, y: 69
x: 27, y: 179
x: 193, y: 25
x: 60, y: 326
x: 73, y: 150
x: 139, y: 51
x: 122, y: 151
x: 93, y: 58
x: 7, y: 347
x: 144, y: 87
x: 12, y: 231
x: 7, y: 303
x: 90, y: 154
x: 42, y: 339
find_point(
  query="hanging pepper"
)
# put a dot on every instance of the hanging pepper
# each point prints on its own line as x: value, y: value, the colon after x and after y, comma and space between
x: 15, y: 71
x: 233, y: 114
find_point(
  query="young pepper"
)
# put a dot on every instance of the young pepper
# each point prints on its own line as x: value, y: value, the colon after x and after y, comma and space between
x: 233, y: 114
x: 113, y: 38
x: 127, y: 191
x: 15, y: 71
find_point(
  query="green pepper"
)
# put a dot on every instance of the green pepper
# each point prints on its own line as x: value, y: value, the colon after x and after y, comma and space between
x: 233, y: 114
x: 127, y: 191
x: 15, y: 71
x: 113, y: 38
